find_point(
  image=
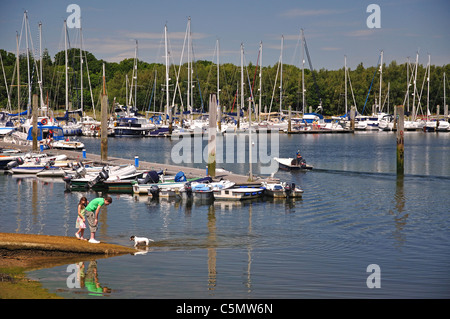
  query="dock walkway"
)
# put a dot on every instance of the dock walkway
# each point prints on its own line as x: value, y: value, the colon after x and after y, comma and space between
x: 190, y: 172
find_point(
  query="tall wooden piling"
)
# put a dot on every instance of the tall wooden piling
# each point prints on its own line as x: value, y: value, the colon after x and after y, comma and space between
x: 212, y: 135
x: 170, y: 109
x: 34, y: 120
x: 352, y: 118
x: 104, y: 121
x: 400, y: 140
x: 289, y: 120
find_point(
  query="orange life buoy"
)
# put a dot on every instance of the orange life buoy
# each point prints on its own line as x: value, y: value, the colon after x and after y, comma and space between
x: 44, y: 122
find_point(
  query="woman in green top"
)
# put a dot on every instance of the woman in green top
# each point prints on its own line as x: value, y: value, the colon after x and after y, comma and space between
x: 92, y: 211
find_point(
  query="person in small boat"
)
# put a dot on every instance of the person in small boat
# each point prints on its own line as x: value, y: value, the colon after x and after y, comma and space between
x: 299, y: 161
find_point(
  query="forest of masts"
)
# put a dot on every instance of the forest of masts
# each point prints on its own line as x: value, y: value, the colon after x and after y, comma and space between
x: 144, y: 84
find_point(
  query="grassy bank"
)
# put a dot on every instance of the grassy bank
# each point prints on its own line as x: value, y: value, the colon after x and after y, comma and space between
x: 15, y: 285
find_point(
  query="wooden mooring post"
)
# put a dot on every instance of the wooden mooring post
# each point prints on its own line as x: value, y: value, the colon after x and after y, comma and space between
x: 212, y: 135
x: 352, y: 118
x: 290, y: 119
x: 104, y: 121
x: 400, y: 140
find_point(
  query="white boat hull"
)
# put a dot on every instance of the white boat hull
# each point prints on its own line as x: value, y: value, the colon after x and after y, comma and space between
x: 239, y: 193
x: 286, y: 164
x: 282, y: 190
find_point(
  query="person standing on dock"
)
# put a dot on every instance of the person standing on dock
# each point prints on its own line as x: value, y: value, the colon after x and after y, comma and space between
x: 92, y: 211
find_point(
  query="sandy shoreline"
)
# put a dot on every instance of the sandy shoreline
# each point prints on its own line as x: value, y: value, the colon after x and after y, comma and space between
x: 24, y: 252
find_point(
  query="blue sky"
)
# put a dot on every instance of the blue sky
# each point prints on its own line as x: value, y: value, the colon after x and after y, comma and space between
x: 332, y: 29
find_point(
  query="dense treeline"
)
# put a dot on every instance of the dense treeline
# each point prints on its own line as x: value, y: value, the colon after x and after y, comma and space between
x: 330, y: 85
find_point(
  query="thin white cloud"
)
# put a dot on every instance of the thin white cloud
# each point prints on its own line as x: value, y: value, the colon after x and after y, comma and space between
x: 361, y: 33
x: 293, y: 13
x: 158, y: 36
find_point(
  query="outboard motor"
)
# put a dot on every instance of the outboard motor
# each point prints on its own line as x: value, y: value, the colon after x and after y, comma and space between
x: 288, y: 189
x: 68, y: 180
x: 18, y: 161
x: 102, y: 176
x: 80, y: 172
x: 303, y: 163
x: 188, y: 188
x: 153, y: 191
x: 49, y: 164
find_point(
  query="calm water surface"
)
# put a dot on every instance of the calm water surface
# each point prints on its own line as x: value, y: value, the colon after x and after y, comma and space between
x: 355, y: 212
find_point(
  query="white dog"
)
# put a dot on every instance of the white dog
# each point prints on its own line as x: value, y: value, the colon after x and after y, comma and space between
x: 140, y: 240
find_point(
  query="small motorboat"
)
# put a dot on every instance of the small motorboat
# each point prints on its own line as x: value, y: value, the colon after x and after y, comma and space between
x: 282, y: 190
x: 202, y: 191
x: 239, y: 193
x: 30, y: 164
x: 100, y: 180
x: 292, y: 164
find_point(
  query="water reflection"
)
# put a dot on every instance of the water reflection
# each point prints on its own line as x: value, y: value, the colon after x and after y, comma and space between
x: 400, y: 217
x: 87, y: 279
x: 92, y: 281
x: 248, y: 283
x: 31, y: 214
x: 212, y: 244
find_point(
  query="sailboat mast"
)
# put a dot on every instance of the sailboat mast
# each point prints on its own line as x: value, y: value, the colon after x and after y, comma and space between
x: 428, y: 83
x: 40, y: 59
x: 189, y: 106
x: 126, y: 90
x: 81, y: 68
x: 415, y: 89
x: 303, y: 72
x: 260, y: 80
x: 345, y: 71
x: 28, y: 63
x: 18, y: 74
x: 66, y: 67
x: 242, y: 86
x: 408, y: 83
x: 218, y: 79
x: 445, y: 101
x: 381, y: 79
x: 281, y: 76
x: 6, y: 85
x: 167, y: 71
x: 135, y: 75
